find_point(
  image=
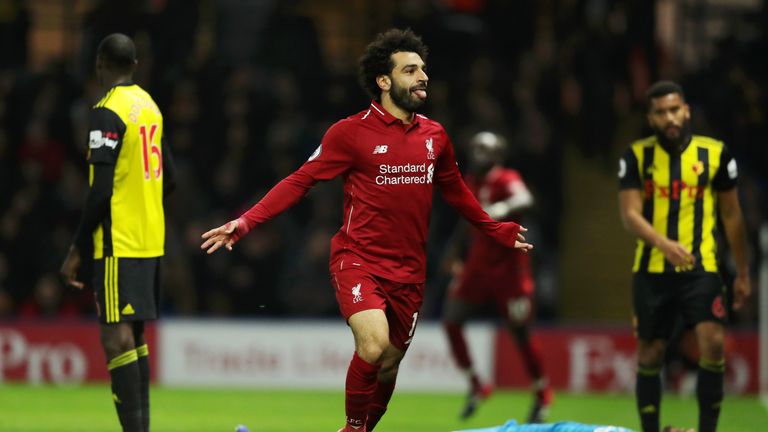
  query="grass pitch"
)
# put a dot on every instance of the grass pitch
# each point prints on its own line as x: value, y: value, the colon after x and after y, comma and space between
x: 89, y: 408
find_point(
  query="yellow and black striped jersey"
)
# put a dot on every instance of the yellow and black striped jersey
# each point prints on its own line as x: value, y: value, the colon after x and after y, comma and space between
x: 679, y: 196
x: 126, y: 134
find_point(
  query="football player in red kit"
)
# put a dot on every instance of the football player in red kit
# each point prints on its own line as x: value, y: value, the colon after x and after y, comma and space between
x: 493, y: 273
x: 389, y: 158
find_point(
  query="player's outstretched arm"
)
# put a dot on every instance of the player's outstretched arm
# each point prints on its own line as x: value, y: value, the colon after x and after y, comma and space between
x: 321, y: 166
x: 280, y: 198
x: 225, y: 235
x: 458, y: 196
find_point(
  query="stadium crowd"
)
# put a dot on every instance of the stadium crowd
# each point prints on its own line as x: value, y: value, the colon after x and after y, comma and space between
x: 247, y: 88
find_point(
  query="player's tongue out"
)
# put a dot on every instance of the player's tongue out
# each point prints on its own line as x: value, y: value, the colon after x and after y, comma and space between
x: 420, y: 92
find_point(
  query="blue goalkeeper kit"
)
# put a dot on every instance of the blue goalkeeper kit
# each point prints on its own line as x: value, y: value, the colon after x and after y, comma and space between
x: 512, y: 426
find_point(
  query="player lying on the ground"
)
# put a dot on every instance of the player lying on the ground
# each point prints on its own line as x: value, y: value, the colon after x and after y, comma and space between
x: 512, y: 426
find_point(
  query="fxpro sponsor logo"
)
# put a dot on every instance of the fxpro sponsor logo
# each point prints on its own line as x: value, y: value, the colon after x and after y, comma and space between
x: 60, y: 362
x: 99, y: 139
x: 675, y: 191
x: 405, y: 174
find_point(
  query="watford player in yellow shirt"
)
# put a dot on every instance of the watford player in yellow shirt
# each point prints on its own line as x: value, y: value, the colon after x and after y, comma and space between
x: 130, y: 171
x: 674, y: 185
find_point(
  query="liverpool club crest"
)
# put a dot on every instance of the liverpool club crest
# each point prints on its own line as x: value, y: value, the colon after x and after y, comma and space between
x: 430, y: 150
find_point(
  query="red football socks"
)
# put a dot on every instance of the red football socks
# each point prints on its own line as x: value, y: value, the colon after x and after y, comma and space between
x: 531, y: 354
x: 458, y: 345
x: 361, y: 383
x: 378, y: 406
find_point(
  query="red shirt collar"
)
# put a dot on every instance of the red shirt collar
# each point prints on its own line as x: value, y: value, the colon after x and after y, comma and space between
x: 388, y: 118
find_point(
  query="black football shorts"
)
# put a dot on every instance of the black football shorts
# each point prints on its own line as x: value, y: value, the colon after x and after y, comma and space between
x: 127, y: 289
x: 659, y: 299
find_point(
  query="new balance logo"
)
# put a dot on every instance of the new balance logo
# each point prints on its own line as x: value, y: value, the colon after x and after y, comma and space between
x: 380, y: 149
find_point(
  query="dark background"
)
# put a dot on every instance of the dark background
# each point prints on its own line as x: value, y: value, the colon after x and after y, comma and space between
x: 247, y: 89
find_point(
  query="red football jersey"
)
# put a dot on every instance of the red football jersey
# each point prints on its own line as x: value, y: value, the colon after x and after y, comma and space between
x: 486, y: 256
x: 389, y: 169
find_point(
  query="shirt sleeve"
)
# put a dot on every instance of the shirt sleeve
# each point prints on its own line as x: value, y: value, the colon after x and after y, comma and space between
x: 105, y: 139
x: 169, y: 168
x: 105, y: 136
x: 458, y: 196
x: 727, y: 173
x: 629, y: 174
x: 96, y: 204
x: 332, y: 158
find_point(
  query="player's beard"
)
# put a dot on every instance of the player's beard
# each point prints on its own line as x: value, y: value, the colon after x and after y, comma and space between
x: 402, y: 97
x: 678, y: 144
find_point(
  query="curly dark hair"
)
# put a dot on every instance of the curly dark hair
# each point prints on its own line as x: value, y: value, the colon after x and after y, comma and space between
x: 377, y: 58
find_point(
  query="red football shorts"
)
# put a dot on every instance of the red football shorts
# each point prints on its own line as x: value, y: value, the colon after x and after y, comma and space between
x: 512, y: 295
x: 358, y: 290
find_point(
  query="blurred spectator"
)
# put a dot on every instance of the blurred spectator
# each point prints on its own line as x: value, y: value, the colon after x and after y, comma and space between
x: 48, y: 301
x: 14, y: 28
x: 7, y: 308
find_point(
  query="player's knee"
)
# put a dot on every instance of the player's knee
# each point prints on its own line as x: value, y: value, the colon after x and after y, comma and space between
x: 372, y: 350
x: 390, y: 364
x: 650, y: 359
x: 113, y: 347
x: 388, y: 372
x: 711, y: 340
x: 518, y: 310
x: 712, y: 348
x: 116, y: 342
x: 650, y: 355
